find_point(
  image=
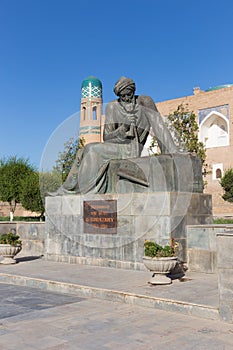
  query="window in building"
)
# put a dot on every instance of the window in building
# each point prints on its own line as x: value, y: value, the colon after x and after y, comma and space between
x: 84, y: 113
x: 218, y: 173
x: 94, y: 113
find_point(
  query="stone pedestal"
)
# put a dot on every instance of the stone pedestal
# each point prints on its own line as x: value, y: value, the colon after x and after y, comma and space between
x: 167, y: 198
x: 152, y: 215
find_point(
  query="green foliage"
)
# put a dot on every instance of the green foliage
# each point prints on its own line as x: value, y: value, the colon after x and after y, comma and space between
x: 223, y: 221
x: 154, y: 145
x: 30, y: 196
x: 49, y: 182
x: 21, y: 183
x: 35, y: 188
x: 184, y: 128
x: 66, y: 158
x: 21, y: 218
x: 153, y: 249
x: 13, y: 171
x: 227, y: 184
x: 10, y: 238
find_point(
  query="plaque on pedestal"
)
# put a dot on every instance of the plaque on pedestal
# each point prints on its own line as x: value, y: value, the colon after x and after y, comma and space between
x: 100, y: 216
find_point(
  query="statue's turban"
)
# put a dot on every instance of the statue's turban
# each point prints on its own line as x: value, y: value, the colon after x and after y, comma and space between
x: 124, y: 83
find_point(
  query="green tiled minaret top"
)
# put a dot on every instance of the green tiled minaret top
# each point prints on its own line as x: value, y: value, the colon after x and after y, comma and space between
x: 91, y: 87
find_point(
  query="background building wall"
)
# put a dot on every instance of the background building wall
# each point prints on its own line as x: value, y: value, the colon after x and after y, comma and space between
x: 217, y: 104
x: 19, y: 211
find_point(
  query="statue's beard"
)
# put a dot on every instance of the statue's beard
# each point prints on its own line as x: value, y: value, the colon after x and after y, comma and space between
x: 128, y: 106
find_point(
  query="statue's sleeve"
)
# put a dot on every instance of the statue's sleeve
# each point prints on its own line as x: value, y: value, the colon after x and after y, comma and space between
x: 159, y: 128
x: 113, y: 130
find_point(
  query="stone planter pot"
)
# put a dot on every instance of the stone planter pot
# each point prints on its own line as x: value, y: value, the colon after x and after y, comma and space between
x: 8, y: 252
x: 160, y: 267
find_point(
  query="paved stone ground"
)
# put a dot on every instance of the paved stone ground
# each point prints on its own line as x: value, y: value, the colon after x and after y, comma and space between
x: 34, y: 319
x: 20, y: 300
x: 198, y: 288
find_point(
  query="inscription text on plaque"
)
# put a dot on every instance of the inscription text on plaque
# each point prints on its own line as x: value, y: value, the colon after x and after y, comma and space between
x: 100, y: 216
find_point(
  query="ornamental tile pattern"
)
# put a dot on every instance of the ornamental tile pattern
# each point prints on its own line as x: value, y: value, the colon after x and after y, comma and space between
x: 91, y: 91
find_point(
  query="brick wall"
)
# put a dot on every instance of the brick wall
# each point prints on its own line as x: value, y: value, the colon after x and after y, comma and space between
x: 20, y: 211
x: 203, y: 100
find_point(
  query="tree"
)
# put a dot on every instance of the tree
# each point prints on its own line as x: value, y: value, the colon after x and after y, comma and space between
x: 227, y: 184
x: 49, y: 182
x: 34, y: 189
x: 66, y: 158
x: 30, y: 197
x: 13, y: 171
x: 184, y: 129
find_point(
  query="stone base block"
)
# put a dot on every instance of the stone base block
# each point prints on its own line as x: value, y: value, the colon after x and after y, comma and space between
x: 156, y: 216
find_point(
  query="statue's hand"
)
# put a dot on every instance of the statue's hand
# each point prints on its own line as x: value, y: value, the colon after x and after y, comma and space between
x: 133, y: 119
x: 128, y: 131
x: 125, y: 127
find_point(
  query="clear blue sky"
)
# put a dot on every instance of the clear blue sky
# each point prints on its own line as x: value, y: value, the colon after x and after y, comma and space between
x: 49, y: 46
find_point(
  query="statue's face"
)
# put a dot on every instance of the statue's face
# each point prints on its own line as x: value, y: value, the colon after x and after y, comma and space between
x: 126, y: 95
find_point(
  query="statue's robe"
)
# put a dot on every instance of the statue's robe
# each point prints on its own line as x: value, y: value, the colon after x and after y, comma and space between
x: 89, y: 171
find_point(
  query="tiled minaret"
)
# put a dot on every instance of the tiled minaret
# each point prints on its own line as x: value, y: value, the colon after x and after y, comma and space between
x: 91, y: 110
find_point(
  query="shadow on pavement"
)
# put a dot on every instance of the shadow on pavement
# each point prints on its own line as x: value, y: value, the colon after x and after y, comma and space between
x: 28, y: 258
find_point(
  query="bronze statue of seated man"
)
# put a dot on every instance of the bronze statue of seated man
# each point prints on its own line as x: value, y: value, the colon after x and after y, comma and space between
x: 128, y: 120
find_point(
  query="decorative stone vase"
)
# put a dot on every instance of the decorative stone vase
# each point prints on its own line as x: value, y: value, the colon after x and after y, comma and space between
x: 160, y: 267
x: 8, y: 252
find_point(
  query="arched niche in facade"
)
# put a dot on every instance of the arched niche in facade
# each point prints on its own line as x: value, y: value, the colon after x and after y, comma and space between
x: 214, y: 130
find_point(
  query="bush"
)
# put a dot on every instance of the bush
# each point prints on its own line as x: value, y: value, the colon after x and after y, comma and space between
x: 153, y: 249
x: 10, y: 238
x: 227, y: 184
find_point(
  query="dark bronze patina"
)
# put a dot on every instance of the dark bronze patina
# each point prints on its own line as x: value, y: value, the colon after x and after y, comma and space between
x: 128, y: 121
